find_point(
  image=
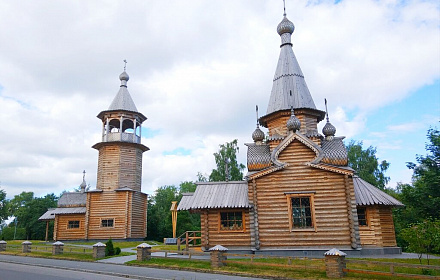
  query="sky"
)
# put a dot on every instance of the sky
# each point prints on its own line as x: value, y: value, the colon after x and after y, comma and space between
x: 197, y: 69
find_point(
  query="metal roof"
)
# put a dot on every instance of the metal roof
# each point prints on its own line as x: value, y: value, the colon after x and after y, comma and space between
x: 258, y: 156
x: 367, y: 194
x: 210, y: 195
x: 51, y: 212
x: 289, y: 88
x: 72, y: 199
x: 123, y: 99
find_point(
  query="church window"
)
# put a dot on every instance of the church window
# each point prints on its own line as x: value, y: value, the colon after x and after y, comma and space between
x: 73, y: 224
x: 362, y: 216
x: 107, y: 222
x: 231, y: 221
x: 301, y: 211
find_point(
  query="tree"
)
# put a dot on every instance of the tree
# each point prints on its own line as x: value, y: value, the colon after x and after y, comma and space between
x: 3, y: 207
x: 366, y: 164
x: 27, y: 209
x: 423, y: 238
x: 227, y: 156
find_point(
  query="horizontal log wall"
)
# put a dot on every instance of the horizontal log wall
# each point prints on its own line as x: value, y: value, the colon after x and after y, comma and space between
x: 63, y: 233
x: 119, y: 166
x: 138, y: 215
x: 330, y: 204
x: 227, y: 239
x: 379, y: 231
x: 107, y: 205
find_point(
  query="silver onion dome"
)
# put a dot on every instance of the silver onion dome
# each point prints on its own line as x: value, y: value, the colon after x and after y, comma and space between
x: 329, y: 130
x: 124, y: 78
x: 293, y: 124
x: 285, y: 26
x: 258, y: 135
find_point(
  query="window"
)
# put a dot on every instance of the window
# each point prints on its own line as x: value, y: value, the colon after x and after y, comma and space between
x: 73, y: 224
x: 231, y: 221
x: 362, y: 216
x: 301, y: 211
x: 107, y: 222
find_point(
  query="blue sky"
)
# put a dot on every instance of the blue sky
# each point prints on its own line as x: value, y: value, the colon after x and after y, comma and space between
x: 197, y: 70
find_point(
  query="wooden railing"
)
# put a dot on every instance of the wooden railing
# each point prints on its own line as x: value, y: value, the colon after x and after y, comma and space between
x: 190, y: 237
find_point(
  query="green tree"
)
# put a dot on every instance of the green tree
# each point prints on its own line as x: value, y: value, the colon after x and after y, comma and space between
x: 227, y: 156
x: 27, y: 209
x: 367, y: 165
x: 423, y: 238
x: 3, y: 207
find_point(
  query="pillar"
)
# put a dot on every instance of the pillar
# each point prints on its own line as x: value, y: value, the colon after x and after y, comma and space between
x: 57, y: 248
x: 335, y: 263
x: 143, y: 252
x: 3, y: 245
x: 98, y: 250
x: 26, y: 246
x: 218, y: 256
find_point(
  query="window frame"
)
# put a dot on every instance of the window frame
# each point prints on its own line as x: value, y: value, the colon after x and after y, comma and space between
x: 71, y: 224
x: 311, y: 196
x: 367, y: 222
x: 243, y: 221
x: 107, y: 219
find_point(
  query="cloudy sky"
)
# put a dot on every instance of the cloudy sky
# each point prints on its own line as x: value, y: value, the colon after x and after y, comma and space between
x: 197, y: 69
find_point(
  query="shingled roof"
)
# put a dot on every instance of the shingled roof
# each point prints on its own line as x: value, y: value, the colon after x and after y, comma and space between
x: 367, y: 194
x: 51, y: 212
x: 210, y: 195
x: 72, y: 199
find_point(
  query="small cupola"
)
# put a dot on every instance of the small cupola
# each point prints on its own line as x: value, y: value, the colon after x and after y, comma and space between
x: 328, y: 130
x: 258, y: 134
x: 293, y: 124
x: 83, y: 185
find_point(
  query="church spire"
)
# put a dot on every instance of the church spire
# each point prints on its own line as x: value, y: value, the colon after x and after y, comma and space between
x: 289, y: 88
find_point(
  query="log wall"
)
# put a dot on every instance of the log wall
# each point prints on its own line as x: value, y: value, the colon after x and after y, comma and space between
x: 61, y: 232
x: 107, y: 205
x: 332, y: 226
x: 379, y: 231
x: 210, y: 223
x: 119, y: 166
x: 139, y: 215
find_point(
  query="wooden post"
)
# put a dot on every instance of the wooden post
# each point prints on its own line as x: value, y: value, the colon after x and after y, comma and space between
x: 47, y: 231
x: 174, y: 216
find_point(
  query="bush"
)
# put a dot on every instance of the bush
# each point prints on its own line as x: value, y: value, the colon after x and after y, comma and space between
x: 117, y: 251
x: 109, y: 249
x: 8, y: 233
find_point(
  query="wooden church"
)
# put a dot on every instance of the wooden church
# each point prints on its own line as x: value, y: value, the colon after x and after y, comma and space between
x: 117, y: 208
x: 299, y: 194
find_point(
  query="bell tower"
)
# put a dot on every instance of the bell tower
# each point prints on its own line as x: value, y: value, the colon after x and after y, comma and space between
x: 120, y: 149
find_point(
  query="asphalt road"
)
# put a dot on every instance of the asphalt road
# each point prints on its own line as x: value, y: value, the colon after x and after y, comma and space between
x: 18, y: 268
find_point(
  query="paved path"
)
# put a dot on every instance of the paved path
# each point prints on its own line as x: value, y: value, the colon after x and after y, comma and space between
x: 131, y: 272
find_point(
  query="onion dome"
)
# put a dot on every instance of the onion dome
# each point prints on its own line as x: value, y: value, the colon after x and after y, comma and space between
x: 293, y: 124
x: 83, y: 184
x: 285, y: 26
x: 258, y: 134
x: 124, y: 78
x: 329, y: 130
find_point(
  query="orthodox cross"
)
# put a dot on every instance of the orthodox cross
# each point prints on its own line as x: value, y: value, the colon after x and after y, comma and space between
x: 125, y: 64
x: 326, y: 111
x: 84, y: 175
x: 284, y: 3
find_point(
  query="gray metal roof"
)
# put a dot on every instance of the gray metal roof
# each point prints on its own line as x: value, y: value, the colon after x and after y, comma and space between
x: 51, y: 212
x: 123, y: 100
x: 367, y: 194
x: 289, y: 88
x: 258, y: 156
x: 216, y: 195
x: 70, y: 199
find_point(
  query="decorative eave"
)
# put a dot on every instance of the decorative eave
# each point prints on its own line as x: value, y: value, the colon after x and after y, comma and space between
x: 333, y: 168
x: 102, y: 114
x: 99, y: 145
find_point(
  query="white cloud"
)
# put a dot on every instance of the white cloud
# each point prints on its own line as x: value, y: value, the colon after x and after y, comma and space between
x: 197, y: 70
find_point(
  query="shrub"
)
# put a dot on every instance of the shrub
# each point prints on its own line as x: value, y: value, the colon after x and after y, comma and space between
x: 109, y: 249
x: 117, y: 251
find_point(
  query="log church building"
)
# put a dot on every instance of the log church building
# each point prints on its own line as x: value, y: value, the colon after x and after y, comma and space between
x: 299, y: 194
x: 117, y: 208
